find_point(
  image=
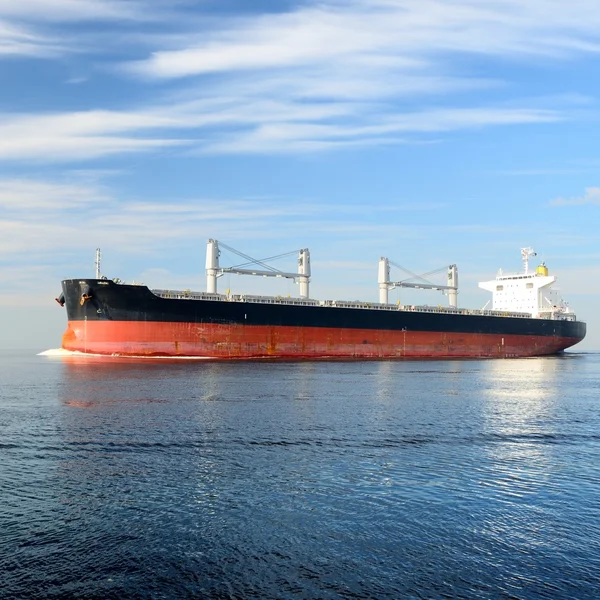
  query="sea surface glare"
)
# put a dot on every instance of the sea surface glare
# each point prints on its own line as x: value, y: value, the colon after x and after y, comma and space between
x: 443, y: 479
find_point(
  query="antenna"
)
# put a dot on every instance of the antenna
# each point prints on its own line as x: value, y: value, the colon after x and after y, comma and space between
x: 98, y: 258
x: 526, y: 253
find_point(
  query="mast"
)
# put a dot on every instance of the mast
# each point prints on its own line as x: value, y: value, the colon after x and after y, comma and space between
x: 383, y: 279
x: 453, y: 286
x: 98, y: 259
x: 212, y: 265
x: 304, y: 271
x: 526, y: 253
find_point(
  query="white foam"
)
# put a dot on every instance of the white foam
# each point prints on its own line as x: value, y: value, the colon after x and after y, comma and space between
x: 62, y: 353
x: 56, y: 352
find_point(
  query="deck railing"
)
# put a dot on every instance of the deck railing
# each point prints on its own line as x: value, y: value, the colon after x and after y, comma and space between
x: 189, y: 295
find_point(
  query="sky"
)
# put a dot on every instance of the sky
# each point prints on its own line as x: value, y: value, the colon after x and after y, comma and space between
x: 433, y: 132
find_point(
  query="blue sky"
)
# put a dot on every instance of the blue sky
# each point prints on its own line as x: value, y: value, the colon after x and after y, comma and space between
x: 429, y: 131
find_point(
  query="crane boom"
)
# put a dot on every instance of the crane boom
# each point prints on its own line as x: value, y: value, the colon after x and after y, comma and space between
x: 420, y: 286
x: 385, y: 285
x: 214, y: 270
x: 259, y: 273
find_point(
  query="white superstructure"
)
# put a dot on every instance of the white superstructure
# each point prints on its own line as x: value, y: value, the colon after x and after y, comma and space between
x: 527, y: 292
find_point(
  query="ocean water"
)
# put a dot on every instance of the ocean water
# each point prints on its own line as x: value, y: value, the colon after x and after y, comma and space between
x: 156, y: 479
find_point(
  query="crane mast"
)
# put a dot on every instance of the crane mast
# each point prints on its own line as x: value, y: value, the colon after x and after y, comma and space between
x: 214, y: 270
x: 385, y: 285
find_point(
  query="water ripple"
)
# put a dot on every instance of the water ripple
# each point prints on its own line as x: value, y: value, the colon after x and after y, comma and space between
x: 331, y: 480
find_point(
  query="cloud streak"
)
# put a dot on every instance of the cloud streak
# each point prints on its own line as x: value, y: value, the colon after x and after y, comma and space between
x: 80, y: 135
x: 322, y: 76
x: 591, y: 197
x: 41, y: 28
x: 21, y: 195
x: 377, y: 55
x: 272, y: 127
x: 399, y: 36
x: 39, y: 215
x: 17, y: 40
x: 65, y: 11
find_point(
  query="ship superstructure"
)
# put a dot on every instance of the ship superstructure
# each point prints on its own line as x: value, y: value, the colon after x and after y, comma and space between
x: 528, y: 292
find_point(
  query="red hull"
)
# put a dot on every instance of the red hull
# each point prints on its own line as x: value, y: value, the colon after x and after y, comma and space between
x: 139, y: 338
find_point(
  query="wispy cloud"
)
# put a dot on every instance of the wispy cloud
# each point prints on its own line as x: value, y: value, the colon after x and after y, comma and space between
x: 17, y: 40
x: 374, y: 55
x: 401, y: 35
x: 79, y: 10
x: 591, y: 197
x: 320, y: 76
x: 398, y: 35
x: 384, y: 129
x: 40, y: 216
x: 40, y: 28
x: 76, y: 80
x: 24, y: 195
x: 80, y: 135
x: 545, y: 172
x: 270, y: 127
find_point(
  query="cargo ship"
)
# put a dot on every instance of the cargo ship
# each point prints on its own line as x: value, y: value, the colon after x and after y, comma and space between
x: 108, y: 317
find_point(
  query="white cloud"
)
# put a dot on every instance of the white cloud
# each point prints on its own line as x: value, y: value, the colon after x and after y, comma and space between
x: 262, y: 127
x: 322, y: 76
x: 403, y: 34
x: 42, y: 218
x: 80, y: 135
x: 306, y: 137
x: 39, y: 28
x: 400, y: 34
x: 16, y: 40
x: 77, y: 10
x: 591, y: 197
x: 81, y: 123
x: 24, y: 195
x: 76, y: 80
x: 362, y: 58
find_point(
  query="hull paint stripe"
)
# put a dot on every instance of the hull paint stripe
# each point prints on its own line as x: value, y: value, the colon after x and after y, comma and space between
x: 235, y: 341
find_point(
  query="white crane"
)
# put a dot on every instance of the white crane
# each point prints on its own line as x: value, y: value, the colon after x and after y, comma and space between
x: 213, y: 270
x: 385, y: 285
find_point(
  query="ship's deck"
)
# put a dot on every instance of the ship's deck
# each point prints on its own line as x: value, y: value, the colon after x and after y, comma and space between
x: 190, y: 295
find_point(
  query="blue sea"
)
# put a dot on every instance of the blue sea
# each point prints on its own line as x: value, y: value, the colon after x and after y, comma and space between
x: 150, y: 479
